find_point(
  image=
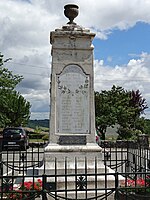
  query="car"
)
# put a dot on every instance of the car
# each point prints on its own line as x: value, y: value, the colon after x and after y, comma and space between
x: 15, y: 138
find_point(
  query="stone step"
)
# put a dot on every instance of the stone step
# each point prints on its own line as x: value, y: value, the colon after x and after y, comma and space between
x: 62, y: 171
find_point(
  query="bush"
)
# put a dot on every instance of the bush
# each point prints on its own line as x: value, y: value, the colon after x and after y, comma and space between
x: 36, y: 136
x: 128, y: 134
x: 45, y: 137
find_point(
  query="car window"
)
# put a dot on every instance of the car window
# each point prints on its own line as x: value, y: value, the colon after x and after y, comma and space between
x: 12, y: 131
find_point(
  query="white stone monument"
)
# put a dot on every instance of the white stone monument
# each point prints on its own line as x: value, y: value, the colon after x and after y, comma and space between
x: 72, y: 113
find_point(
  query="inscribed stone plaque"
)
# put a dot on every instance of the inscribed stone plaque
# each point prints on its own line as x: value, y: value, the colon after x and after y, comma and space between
x: 72, y: 140
x: 72, y: 101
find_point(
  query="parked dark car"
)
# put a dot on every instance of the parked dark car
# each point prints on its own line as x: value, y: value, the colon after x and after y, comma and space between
x: 15, y: 138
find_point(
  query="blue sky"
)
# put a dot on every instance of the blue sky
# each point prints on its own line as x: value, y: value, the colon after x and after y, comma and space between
x: 122, y: 45
x: 121, y: 53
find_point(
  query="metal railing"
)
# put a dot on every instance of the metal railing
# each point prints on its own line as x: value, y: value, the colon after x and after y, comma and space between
x: 21, y: 167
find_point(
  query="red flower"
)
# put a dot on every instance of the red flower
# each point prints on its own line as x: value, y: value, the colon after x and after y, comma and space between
x: 30, y: 186
x: 138, y: 185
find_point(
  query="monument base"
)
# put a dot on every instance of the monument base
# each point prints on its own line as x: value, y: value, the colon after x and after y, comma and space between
x: 89, y: 147
x: 77, y: 169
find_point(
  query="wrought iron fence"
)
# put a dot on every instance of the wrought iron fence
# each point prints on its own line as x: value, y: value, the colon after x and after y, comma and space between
x: 19, y: 168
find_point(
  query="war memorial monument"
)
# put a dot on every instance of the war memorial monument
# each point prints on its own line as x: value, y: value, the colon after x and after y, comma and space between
x: 72, y: 146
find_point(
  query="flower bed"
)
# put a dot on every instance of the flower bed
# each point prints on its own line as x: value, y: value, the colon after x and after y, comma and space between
x: 26, y: 191
x: 138, y: 189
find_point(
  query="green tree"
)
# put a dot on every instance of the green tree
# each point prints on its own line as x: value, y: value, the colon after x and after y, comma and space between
x: 108, y: 106
x: 8, y: 80
x: 14, y: 109
x: 117, y: 106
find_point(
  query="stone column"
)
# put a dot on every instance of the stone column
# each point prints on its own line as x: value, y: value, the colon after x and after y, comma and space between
x: 72, y: 115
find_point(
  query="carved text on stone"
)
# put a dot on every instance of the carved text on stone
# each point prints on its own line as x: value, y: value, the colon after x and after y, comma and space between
x: 72, y: 103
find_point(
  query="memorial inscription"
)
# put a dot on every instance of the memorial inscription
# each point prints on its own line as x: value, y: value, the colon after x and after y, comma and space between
x: 72, y: 101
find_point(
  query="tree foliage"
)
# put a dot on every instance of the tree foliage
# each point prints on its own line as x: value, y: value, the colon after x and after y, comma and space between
x: 147, y: 127
x: 14, y: 109
x: 137, y: 102
x: 118, y: 106
x: 7, y: 79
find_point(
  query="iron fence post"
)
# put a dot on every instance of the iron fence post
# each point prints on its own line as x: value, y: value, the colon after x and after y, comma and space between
x: 116, y: 180
x: 44, y: 197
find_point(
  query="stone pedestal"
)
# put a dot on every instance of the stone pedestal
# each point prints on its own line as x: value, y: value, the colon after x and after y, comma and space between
x: 70, y: 166
x: 73, y: 158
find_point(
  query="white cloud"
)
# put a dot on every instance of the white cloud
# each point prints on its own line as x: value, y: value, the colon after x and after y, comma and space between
x: 133, y: 76
x: 104, y: 16
x: 38, y: 100
x: 25, y: 27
